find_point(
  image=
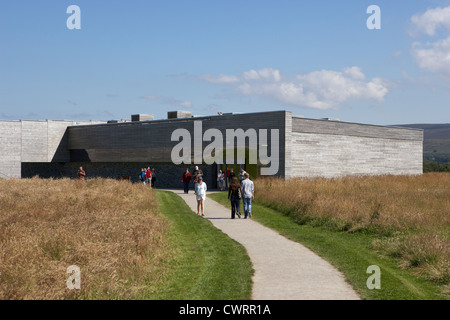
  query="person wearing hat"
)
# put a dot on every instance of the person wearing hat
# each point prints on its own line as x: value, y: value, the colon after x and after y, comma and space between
x: 200, y: 193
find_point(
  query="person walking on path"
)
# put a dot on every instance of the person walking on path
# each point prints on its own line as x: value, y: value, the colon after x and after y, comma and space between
x: 186, y: 180
x: 200, y: 193
x: 283, y: 269
x: 248, y: 192
x: 234, y: 195
x: 81, y: 173
x: 153, y: 177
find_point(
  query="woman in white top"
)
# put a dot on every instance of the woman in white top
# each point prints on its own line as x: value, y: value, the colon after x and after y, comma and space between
x: 200, y: 193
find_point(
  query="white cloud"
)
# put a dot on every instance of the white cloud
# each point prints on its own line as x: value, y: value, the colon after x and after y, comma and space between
x: 186, y: 104
x: 431, y: 20
x: 263, y: 74
x: 432, y: 56
x: 169, y: 101
x: 221, y: 78
x: 252, y: 75
x: 325, y: 89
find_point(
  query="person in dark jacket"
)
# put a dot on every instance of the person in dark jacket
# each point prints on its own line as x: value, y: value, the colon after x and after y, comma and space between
x: 232, y: 174
x: 235, y: 195
x: 153, y: 177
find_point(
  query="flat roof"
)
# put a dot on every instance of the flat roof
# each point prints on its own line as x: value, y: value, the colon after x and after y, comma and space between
x: 236, y: 114
x: 358, y: 123
x: 91, y: 123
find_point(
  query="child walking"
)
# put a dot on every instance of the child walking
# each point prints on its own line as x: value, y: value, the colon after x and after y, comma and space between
x: 200, y: 193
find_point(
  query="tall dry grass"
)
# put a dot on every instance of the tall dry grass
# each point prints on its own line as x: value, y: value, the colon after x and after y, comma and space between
x: 109, y: 229
x: 410, y: 214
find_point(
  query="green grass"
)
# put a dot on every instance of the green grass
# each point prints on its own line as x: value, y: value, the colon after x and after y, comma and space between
x: 206, y: 264
x: 351, y: 254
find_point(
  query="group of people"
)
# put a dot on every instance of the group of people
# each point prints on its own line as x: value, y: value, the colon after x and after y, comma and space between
x: 148, y: 176
x: 243, y: 189
x: 237, y: 190
x: 224, y: 178
x: 199, y: 187
x: 188, y: 177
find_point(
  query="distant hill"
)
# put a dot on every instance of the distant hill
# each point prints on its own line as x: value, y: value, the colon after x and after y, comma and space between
x: 436, y: 144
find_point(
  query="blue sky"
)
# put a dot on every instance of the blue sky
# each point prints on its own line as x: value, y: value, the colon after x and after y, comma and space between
x: 315, y: 58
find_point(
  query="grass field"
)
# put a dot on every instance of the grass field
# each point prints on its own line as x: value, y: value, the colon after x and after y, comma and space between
x: 208, y: 264
x: 400, y: 224
x: 128, y: 241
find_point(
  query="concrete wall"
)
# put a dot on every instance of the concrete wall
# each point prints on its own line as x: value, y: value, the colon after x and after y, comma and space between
x: 10, y: 148
x: 57, y: 141
x: 33, y: 141
x: 332, y: 149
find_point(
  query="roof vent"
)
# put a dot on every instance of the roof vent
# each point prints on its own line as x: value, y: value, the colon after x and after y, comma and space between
x: 142, y: 117
x: 179, y: 114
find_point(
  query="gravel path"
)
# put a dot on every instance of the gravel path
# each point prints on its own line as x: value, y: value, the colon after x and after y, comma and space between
x: 284, y: 269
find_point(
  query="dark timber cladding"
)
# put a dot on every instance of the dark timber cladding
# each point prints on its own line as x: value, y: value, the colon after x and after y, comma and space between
x: 150, y: 141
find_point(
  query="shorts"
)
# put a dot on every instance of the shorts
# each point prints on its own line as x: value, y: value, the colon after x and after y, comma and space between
x: 201, y: 197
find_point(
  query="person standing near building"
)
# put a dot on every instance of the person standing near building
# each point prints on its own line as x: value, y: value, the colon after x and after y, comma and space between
x: 197, y: 174
x: 200, y: 193
x: 248, y: 192
x: 221, y: 180
x: 242, y: 175
x: 81, y: 173
x: 148, y: 176
x: 234, y: 195
x: 186, y: 178
x: 143, y: 175
x: 153, y: 177
x: 232, y: 174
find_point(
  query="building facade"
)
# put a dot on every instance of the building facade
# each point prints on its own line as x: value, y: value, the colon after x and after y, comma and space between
x: 303, y: 148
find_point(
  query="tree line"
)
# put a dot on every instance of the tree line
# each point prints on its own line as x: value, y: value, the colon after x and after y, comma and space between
x: 432, y: 166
